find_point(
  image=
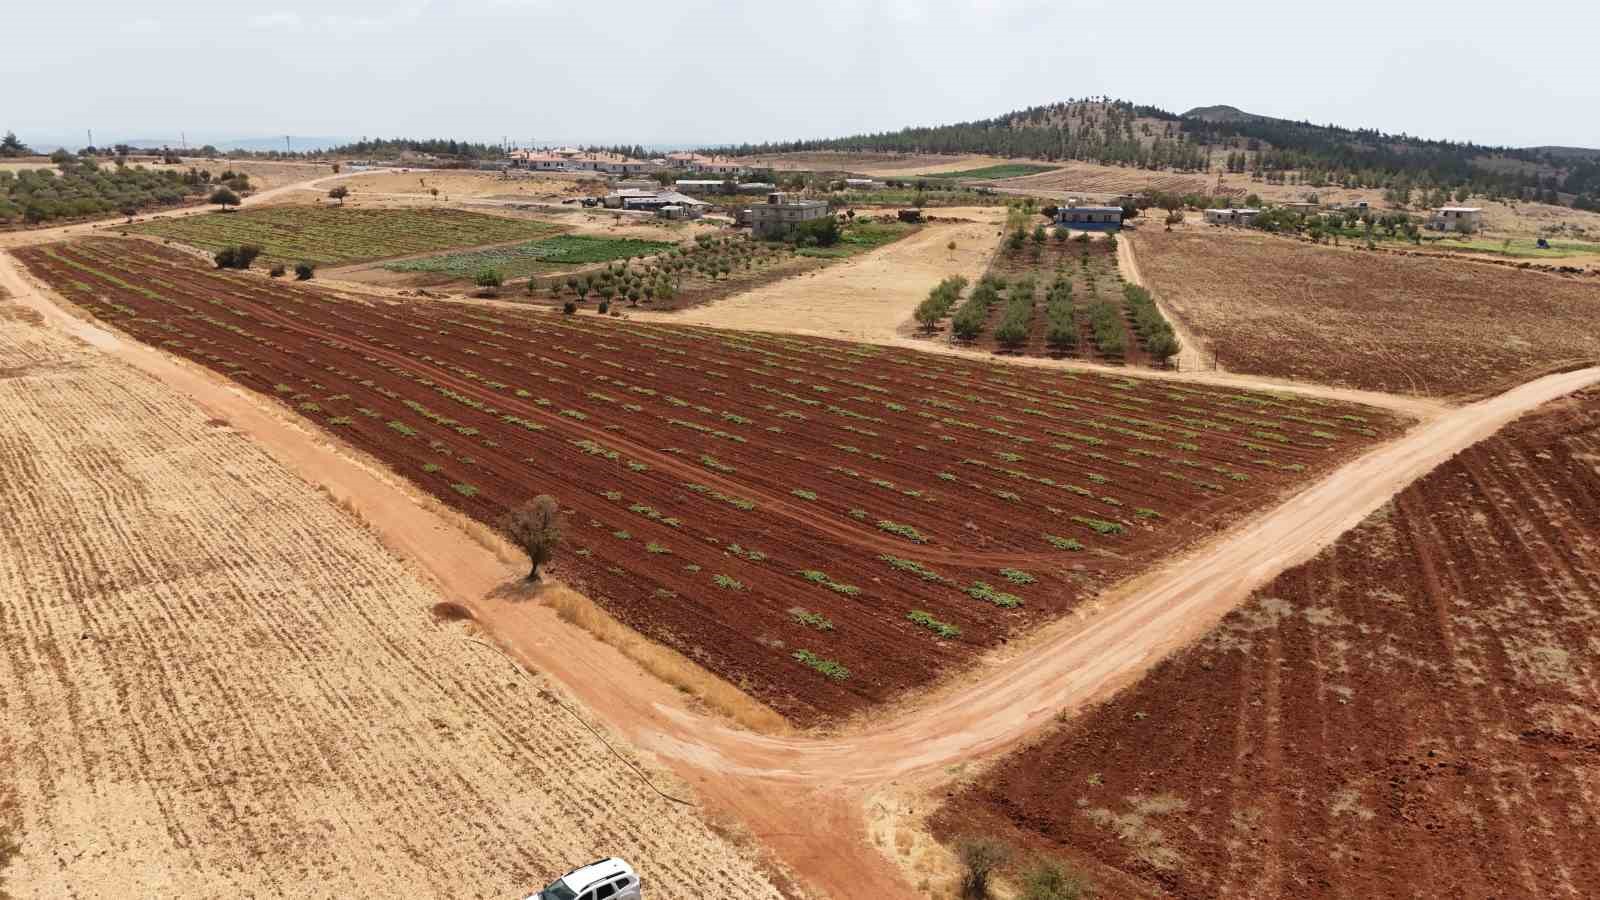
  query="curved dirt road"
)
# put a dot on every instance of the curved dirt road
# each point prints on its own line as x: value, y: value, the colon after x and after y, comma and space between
x: 803, y: 795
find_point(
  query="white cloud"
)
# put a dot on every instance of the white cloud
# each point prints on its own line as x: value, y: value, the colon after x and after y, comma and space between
x: 142, y: 26
x: 286, y: 19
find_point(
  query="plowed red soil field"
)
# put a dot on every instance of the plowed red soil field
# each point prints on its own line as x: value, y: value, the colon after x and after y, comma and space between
x: 1416, y: 712
x: 825, y: 524
x: 1273, y: 306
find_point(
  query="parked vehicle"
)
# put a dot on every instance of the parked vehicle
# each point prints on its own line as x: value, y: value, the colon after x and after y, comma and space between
x: 603, y: 879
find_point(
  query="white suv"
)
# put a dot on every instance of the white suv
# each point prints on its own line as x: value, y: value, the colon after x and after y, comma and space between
x: 605, y: 879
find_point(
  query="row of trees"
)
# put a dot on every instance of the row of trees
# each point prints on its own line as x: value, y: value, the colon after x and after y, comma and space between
x: 82, y: 188
x: 939, y: 302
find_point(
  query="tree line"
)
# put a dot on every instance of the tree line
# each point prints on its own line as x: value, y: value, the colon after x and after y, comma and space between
x: 85, y: 188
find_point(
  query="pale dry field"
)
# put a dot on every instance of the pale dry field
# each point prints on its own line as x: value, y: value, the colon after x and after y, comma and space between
x: 870, y: 297
x: 214, y: 682
x: 878, y: 165
x: 464, y: 185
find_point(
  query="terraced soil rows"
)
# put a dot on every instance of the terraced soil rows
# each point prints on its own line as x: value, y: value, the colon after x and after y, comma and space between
x: 1412, y: 713
x: 780, y: 509
x: 212, y: 682
x: 332, y: 235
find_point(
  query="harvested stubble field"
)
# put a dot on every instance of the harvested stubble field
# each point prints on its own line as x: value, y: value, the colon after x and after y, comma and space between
x: 1412, y: 713
x: 214, y: 682
x: 827, y: 525
x: 334, y: 235
x: 1093, y: 178
x: 1435, y: 327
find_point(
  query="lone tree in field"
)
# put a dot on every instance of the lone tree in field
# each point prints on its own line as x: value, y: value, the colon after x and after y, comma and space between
x: 535, y: 526
x: 339, y: 193
x: 224, y: 198
x: 979, y: 858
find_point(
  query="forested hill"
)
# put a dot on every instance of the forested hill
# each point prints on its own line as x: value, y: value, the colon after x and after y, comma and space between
x: 1117, y: 132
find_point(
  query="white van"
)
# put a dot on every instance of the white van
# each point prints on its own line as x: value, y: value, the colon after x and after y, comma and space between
x: 604, y: 879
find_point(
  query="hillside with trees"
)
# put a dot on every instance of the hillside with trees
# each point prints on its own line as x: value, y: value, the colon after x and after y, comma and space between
x: 1224, y: 138
x: 79, y: 187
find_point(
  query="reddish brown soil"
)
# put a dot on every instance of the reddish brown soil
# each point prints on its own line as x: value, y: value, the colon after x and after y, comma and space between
x: 1412, y: 713
x: 1273, y: 306
x: 491, y: 406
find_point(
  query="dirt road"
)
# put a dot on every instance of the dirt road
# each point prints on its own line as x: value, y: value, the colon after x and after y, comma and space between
x: 1192, y: 354
x: 803, y: 795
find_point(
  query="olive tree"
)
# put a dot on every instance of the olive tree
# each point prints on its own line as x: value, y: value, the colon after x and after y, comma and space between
x: 535, y: 526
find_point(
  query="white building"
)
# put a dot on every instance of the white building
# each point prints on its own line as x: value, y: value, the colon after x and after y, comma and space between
x: 1231, y: 216
x: 1465, y: 219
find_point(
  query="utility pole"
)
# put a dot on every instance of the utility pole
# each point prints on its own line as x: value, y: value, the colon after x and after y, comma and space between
x: 91, y: 137
x: 184, y: 139
x: 286, y: 144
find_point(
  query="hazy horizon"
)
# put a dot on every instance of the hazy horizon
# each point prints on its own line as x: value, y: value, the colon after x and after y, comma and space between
x: 710, y: 72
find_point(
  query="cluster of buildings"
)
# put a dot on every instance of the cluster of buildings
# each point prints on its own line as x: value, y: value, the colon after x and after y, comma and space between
x: 1461, y: 219
x: 571, y: 159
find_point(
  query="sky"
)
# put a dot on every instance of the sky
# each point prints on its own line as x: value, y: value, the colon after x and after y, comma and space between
x: 707, y: 72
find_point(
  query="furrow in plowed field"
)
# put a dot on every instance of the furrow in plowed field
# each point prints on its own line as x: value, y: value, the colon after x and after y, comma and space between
x: 765, y: 504
x: 1412, y: 713
x: 213, y: 683
x: 1269, y: 305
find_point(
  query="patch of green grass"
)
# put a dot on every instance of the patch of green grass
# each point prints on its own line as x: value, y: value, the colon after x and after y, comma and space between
x: 1063, y: 543
x: 465, y: 490
x: 551, y: 253
x: 1099, y: 526
x: 727, y: 583
x: 804, y: 494
x: 657, y: 549
x: 995, y: 172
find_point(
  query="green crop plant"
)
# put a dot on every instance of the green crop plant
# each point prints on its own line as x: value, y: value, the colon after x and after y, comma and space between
x: 826, y: 667
x: 1062, y: 543
x: 926, y: 620
x: 727, y: 583
x: 905, y: 531
x: 1017, y: 576
x: 983, y: 591
x: 914, y: 567
x: 821, y: 578
x: 810, y: 619
x: 804, y: 494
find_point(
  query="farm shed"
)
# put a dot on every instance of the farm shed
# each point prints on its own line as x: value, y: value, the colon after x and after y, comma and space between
x: 1231, y: 216
x: 1090, y: 218
x: 702, y: 186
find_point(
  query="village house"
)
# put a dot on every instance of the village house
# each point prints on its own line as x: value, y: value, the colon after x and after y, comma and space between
x: 1090, y: 218
x: 1465, y: 219
x: 781, y: 213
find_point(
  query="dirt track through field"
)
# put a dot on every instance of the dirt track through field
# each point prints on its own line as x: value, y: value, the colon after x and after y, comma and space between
x: 779, y: 785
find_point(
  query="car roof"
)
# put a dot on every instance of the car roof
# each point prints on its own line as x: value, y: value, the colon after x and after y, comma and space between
x: 584, y: 877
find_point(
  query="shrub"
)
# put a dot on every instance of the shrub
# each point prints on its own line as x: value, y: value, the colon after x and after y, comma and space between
x: 224, y: 198
x: 979, y: 858
x: 810, y: 619
x: 488, y: 279
x: 276, y: 271
x: 1049, y: 879
x: 983, y: 591
x: 605, y: 307
x: 569, y: 307
x: 304, y: 271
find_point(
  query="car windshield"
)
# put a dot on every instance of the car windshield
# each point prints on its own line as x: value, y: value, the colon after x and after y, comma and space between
x: 557, y: 890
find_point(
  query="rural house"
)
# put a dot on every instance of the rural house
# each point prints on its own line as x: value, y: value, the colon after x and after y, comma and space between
x: 1465, y: 219
x: 1090, y: 218
x: 702, y: 186
x: 1243, y: 216
x: 779, y: 214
